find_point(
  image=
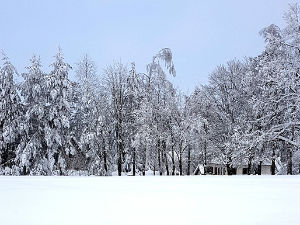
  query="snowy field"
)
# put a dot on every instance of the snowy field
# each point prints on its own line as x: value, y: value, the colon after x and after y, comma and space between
x: 150, y: 200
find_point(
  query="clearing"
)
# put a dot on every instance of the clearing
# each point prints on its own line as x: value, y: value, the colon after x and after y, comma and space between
x: 209, y: 200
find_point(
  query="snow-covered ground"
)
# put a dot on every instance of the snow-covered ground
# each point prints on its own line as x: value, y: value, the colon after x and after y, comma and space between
x: 150, y: 200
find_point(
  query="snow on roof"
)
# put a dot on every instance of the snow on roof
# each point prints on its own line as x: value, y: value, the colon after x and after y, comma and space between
x: 215, y: 161
x: 245, y: 162
x: 267, y: 162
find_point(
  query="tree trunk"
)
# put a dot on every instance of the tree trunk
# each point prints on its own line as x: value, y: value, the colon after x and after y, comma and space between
x: 290, y: 153
x: 180, y: 164
x: 205, y: 153
x: 180, y: 158
x: 119, y: 163
x: 105, y: 162
x: 162, y: 159
x: 205, y: 145
x: 173, y: 163
x: 189, y: 161
x: 159, y: 157
x: 273, y: 163
x: 164, y: 146
x: 134, y: 161
x: 119, y: 146
x: 290, y: 162
x: 24, y: 171
x: 250, y: 168
x: 228, y: 167
x: 104, y: 156
x: 259, y: 168
x: 144, y: 162
x: 119, y: 110
x: 173, y: 159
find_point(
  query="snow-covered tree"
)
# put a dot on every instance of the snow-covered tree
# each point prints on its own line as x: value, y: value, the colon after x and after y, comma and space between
x: 10, y: 117
x: 92, y: 140
x: 115, y: 78
x: 32, y: 149
x: 154, y: 109
x: 131, y: 122
x: 57, y: 126
x: 276, y: 101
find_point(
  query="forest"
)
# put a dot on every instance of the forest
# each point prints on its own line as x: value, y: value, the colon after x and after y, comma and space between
x: 120, y: 121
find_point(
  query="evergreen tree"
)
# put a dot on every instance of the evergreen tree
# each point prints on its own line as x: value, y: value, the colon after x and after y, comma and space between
x: 58, y: 113
x: 32, y: 149
x: 10, y: 116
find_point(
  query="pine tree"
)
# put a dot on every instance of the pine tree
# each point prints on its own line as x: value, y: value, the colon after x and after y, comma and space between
x: 32, y: 149
x: 10, y: 115
x: 58, y: 112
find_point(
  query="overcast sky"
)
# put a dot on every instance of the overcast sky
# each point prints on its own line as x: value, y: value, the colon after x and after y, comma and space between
x: 201, y: 34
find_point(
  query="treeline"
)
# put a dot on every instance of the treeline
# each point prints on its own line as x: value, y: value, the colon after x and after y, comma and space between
x: 123, y: 121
